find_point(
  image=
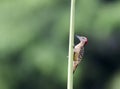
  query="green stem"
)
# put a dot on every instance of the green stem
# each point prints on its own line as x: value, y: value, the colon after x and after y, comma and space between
x: 71, y: 44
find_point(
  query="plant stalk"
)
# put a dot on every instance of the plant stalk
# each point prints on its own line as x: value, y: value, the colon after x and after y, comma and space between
x: 71, y: 45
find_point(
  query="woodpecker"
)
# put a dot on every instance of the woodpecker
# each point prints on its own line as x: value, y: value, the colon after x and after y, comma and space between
x: 79, y: 51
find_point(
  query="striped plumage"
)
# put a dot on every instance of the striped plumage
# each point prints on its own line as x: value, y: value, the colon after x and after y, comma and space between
x: 78, y: 52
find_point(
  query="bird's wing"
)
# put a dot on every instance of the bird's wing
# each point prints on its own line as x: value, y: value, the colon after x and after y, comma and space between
x: 75, y: 56
x: 81, y: 53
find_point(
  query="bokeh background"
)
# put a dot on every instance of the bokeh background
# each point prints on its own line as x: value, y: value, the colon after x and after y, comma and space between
x: 34, y: 44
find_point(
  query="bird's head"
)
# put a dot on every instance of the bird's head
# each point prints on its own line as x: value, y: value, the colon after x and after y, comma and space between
x: 82, y: 39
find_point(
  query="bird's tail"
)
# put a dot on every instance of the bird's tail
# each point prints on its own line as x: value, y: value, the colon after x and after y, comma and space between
x: 75, y: 64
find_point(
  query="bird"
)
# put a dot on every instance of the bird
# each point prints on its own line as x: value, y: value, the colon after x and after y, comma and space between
x: 79, y: 51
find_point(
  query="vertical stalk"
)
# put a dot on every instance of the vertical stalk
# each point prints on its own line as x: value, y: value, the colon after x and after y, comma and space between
x: 71, y: 44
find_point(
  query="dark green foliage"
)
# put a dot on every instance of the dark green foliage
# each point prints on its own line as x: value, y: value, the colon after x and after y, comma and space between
x: 34, y: 44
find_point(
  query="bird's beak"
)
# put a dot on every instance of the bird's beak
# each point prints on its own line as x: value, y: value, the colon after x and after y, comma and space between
x: 78, y: 37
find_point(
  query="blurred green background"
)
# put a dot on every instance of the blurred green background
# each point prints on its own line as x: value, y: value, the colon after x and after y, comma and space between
x: 34, y: 44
